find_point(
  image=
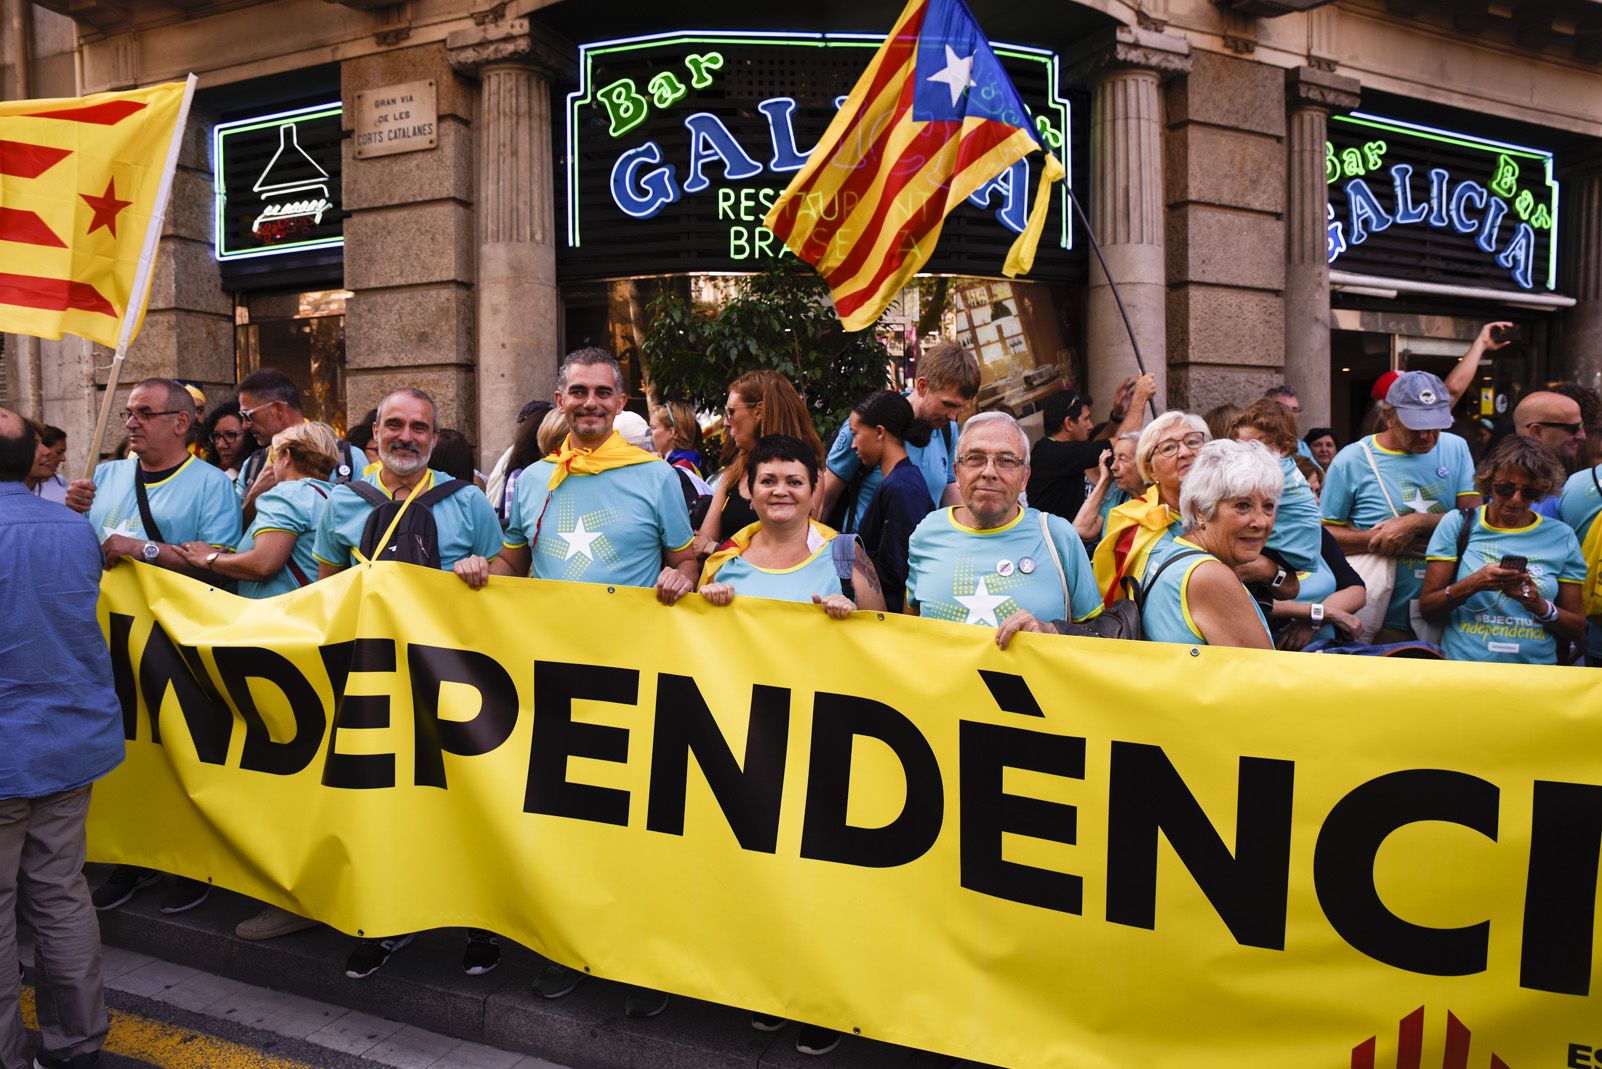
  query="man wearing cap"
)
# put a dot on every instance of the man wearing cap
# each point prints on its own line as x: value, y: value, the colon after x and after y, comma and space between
x: 1385, y: 493
x: 1492, y: 336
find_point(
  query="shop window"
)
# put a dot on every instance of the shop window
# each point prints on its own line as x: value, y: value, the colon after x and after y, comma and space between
x: 302, y: 335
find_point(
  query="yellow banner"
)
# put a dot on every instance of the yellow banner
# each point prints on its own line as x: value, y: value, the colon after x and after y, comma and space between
x: 1073, y: 852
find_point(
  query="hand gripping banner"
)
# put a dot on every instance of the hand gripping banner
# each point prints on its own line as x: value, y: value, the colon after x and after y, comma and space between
x: 1074, y: 852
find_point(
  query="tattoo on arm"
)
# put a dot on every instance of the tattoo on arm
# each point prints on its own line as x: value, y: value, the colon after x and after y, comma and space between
x: 864, y: 564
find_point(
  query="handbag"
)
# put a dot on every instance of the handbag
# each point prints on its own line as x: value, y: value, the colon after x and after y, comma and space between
x: 1378, y: 571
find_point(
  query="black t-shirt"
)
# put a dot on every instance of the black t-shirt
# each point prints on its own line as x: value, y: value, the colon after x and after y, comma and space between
x: 1057, y: 474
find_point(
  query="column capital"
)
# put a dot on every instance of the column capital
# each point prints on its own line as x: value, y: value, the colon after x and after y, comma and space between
x: 1311, y: 87
x: 511, y: 41
x: 1130, y: 48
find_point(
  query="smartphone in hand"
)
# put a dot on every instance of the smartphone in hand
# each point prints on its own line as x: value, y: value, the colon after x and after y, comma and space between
x: 1515, y: 563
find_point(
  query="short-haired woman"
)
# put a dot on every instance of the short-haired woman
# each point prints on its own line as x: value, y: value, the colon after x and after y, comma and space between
x: 1322, y: 444
x: 1164, y: 453
x: 1193, y: 594
x: 881, y: 427
x: 1295, y: 545
x: 275, y: 556
x: 1514, y: 589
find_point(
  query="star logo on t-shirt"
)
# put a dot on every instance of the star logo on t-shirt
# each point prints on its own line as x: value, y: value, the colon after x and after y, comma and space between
x: 126, y: 527
x: 1419, y: 503
x: 981, y: 604
x: 579, y: 541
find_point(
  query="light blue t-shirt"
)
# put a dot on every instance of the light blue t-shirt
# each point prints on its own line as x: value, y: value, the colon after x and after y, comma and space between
x: 608, y: 528
x: 294, y: 507
x: 1298, y: 532
x: 1491, y: 626
x: 1165, y: 616
x: 1578, y: 508
x: 1316, y: 586
x: 1418, y: 482
x: 982, y: 577
x: 1116, y: 496
x: 465, y: 522
x: 815, y: 575
x: 193, y: 504
x: 933, y: 460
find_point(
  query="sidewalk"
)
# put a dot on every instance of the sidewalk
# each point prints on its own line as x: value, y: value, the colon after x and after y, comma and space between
x: 423, y: 986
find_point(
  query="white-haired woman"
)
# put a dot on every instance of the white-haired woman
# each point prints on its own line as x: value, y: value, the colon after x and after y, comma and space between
x: 992, y: 561
x: 1134, y: 530
x: 1193, y: 594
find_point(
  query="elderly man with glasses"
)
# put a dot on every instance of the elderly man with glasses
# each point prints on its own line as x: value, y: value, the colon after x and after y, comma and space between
x: 144, y: 508
x: 990, y: 560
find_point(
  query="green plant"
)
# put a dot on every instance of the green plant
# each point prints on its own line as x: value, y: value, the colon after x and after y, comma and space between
x: 779, y: 319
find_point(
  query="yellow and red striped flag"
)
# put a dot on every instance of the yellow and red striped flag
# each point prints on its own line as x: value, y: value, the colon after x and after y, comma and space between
x: 932, y: 119
x: 81, y: 181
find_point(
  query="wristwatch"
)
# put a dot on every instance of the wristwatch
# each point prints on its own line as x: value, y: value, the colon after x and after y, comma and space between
x: 1316, y: 613
x: 1279, y: 578
x: 211, y: 559
x: 150, y: 552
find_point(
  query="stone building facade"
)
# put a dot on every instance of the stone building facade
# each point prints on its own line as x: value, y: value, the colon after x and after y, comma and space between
x: 1201, y: 131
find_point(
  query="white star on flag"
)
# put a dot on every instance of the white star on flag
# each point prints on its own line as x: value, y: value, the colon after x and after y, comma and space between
x: 957, y: 74
x: 981, y: 604
x: 1419, y: 503
x: 579, y: 540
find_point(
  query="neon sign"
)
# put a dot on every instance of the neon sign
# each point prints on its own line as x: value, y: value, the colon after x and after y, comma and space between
x: 1471, y: 209
x: 690, y: 136
x: 277, y: 183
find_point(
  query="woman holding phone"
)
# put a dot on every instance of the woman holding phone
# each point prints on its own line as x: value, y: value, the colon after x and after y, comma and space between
x: 1510, y: 589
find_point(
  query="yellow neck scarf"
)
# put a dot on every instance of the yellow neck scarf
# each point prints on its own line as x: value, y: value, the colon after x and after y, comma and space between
x: 1133, y: 528
x: 740, y: 541
x: 612, y: 453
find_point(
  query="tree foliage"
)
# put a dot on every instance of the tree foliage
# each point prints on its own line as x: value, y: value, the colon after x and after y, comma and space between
x: 779, y: 319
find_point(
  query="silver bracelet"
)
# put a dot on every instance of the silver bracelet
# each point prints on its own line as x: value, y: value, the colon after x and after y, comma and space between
x: 1550, y: 615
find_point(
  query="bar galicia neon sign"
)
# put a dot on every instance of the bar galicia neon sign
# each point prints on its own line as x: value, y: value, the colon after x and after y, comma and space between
x: 643, y: 181
x: 273, y: 192
x: 1505, y: 213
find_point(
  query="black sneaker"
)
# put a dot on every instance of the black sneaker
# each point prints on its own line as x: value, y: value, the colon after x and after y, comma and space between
x: 555, y: 980
x: 124, y: 882
x: 483, y: 952
x: 642, y: 1002
x: 370, y: 954
x: 816, y: 1040
x: 77, y: 1061
x: 186, y: 894
x: 766, y: 1022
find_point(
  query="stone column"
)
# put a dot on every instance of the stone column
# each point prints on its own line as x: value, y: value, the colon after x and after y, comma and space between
x: 519, y: 308
x: 1312, y: 94
x: 1580, y: 345
x: 1125, y: 203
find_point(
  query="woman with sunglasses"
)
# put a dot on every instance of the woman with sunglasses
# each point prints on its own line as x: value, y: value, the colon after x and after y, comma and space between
x: 760, y: 403
x: 1511, y: 589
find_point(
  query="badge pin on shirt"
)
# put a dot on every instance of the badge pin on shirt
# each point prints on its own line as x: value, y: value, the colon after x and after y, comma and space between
x: 1004, y: 567
x: 1443, y: 471
x: 1027, y: 565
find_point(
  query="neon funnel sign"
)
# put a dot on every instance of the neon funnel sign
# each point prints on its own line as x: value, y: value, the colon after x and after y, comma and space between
x: 292, y: 184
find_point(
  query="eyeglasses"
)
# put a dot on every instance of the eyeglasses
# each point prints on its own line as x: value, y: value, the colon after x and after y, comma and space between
x: 728, y: 413
x: 1193, y: 442
x: 1522, y: 491
x: 246, y: 415
x: 1005, y: 463
x: 228, y: 436
x: 144, y: 415
x: 1566, y: 428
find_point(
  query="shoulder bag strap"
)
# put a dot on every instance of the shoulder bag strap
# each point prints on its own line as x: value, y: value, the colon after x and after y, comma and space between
x: 1374, y: 467
x: 1463, y: 532
x: 1595, y: 481
x: 389, y: 533
x: 843, y: 548
x: 1142, y: 589
x: 152, y: 529
x: 1062, y: 575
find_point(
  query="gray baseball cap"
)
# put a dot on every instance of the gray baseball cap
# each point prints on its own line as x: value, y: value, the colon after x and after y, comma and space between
x: 1421, y: 401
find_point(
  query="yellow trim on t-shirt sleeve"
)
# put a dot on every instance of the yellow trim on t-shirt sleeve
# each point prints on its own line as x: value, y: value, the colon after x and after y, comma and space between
x: 1335, y: 523
x: 520, y: 545
x: 687, y: 544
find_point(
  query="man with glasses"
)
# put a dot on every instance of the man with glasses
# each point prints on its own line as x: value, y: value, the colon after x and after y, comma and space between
x: 1061, y: 459
x: 991, y: 561
x: 143, y: 508
x: 1554, y: 420
x: 1386, y: 493
x: 269, y: 402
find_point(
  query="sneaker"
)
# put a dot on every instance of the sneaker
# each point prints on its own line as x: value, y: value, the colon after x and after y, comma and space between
x: 271, y: 923
x: 555, y: 980
x: 124, y: 882
x: 483, y: 952
x: 186, y: 894
x: 643, y: 1002
x: 766, y: 1022
x: 370, y: 954
x: 77, y: 1061
x: 815, y: 1040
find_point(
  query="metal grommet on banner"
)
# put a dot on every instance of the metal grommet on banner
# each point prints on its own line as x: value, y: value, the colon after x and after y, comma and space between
x: 1194, y: 652
x: 611, y: 590
x: 881, y: 616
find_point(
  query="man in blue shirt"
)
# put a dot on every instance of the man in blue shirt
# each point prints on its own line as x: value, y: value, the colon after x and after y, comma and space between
x: 948, y: 379
x: 62, y: 726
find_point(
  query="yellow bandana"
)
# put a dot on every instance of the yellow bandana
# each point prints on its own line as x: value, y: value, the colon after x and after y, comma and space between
x: 741, y: 540
x: 1133, y: 528
x: 612, y: 453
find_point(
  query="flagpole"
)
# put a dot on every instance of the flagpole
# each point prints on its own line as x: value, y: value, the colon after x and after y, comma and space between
x: 1095, y: 245
x: 140, y: 292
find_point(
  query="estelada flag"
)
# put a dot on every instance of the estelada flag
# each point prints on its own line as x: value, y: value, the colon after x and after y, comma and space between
x: 932, y: 119
x: 80, y: 182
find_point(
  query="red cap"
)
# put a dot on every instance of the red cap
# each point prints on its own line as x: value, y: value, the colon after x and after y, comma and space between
x: 1383, y: 386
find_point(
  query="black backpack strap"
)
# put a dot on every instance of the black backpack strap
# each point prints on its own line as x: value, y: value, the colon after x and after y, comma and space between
x: 368, y: 492
x: 1143, y: 588
x: 347, y: 461
x: 844, y: 551
x: 439, y: 493
x: 152, y: 529
x: 1595, y: 481
x: 1463, y: 532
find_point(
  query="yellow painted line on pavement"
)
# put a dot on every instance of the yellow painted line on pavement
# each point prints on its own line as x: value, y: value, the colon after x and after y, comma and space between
x: 168, y: 1046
